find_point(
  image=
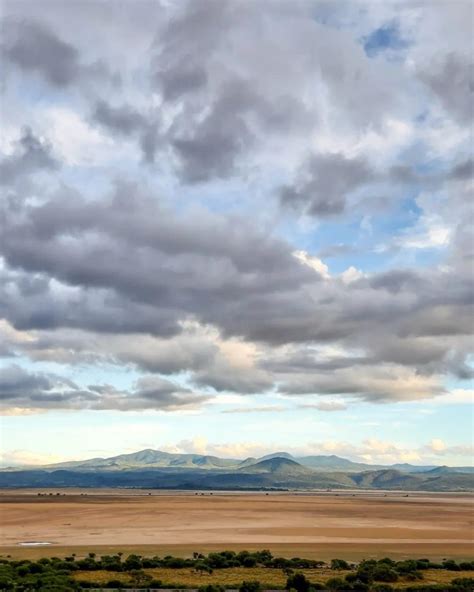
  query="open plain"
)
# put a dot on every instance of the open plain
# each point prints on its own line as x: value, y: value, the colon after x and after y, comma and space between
x: 316, y: 525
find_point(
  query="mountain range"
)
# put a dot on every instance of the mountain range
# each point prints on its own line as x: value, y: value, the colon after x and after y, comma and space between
x: 157, y: 469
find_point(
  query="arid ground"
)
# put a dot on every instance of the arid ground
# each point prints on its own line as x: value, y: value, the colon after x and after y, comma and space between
x: 308, y: 525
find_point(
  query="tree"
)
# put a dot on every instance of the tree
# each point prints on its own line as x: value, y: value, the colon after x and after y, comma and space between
x: 298, y: 582
x: 139, y: 578
x: 201, y: 567
x: 339, y: 564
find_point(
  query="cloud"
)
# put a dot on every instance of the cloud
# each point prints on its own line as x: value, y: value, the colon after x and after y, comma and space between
x: 451, y: 79
x: 370, y: 450
x: 263, y: 409
x: 375, y: 451
x: 127, y: 264
x: 188, y: 265
x: 21, y: 390
x: 325, y: 406
x: 324, y: 184
x: 31, y: 154
x: 126, y: 121
x: 34, y: 48
x: 313, y: 262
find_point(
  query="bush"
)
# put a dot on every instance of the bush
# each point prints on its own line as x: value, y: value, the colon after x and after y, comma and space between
x: 249, y: 561
x: 405, y: 567
x: 250, y: 586
x: 463, y: 584
x: 298, y: 582
x: 211, y: 588
x: 339, y: 564
x: 414, y: 575
x: 336, y: 584
x: 382, y: 588
x: 359, y: 586
x: 384, y: 573
x: 466, y: 565
x: 451, y: 565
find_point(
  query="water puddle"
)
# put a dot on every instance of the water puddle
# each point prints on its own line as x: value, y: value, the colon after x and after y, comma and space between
x: 33, y: 544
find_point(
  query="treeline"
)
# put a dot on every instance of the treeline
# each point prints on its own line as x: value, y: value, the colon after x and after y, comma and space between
x: 228, y: 559
x: 377, y: 576
x: 56, y: 574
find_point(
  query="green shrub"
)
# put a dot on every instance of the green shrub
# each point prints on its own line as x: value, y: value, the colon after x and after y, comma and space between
x: 382, y: 588
x: 211, y: 588
x: 250, y: 586
x: 114, y: 584
x: 336, y: 584
x: 384, y: 573
x: 339, y: 564
x: 298, y: 582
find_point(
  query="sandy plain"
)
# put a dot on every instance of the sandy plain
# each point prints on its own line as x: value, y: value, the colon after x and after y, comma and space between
x: 307, y: 525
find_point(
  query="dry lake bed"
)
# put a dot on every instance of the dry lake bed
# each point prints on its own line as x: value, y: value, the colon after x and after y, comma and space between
x: 313, y: 525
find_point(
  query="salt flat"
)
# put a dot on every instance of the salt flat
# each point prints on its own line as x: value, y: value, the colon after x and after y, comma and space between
x: 313, y: 525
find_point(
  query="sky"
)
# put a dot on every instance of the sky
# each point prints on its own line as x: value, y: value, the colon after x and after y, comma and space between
x: 233, y: 228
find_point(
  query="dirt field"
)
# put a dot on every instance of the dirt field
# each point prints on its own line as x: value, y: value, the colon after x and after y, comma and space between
x: 315, y: 526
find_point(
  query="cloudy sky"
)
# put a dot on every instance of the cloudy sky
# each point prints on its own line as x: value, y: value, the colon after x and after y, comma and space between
x: 235, y: 227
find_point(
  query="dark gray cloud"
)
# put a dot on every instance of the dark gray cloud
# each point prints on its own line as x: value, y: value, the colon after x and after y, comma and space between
x: 15, y: 381
x: 124, y: 120
x: 31, y: 154
x: 212, y: 148
x: 33, y: 47
x: 223, y: 377
x: 451, y: 79
x: 133, y: 254
x: 126, y: 264
x: 21, y: 389
x: 324, y: 183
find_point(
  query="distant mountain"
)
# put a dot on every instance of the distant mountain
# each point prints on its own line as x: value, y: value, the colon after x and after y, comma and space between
x: 158, y: 469
x: 248, y: 461
x: 276, y: 474
x: 332, y: 463
x: 278, y: 466
x: 277, y: 455
x: 387, y: 479
x: 150, y: 459
x: 407, y: 468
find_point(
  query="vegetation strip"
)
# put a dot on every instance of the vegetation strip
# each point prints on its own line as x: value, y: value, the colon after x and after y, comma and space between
x: 226, y: 570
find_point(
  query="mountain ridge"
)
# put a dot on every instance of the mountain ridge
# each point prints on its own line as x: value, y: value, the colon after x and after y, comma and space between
x: 151, y: 458
x: 150, y: 468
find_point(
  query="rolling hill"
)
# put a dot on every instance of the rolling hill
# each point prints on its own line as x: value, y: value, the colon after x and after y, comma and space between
x: 162, y: 470
x: 149, y: 458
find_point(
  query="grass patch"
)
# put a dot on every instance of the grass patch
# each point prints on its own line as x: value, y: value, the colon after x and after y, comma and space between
x: 269, y: 578
x: 230, y: 578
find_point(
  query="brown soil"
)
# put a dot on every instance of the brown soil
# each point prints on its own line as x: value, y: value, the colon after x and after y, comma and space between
x: 306, y: 525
